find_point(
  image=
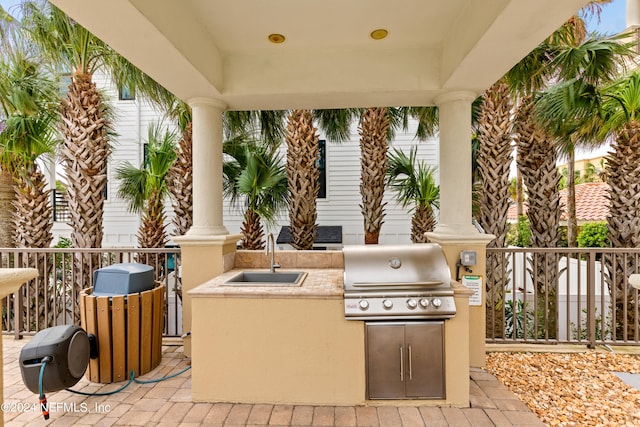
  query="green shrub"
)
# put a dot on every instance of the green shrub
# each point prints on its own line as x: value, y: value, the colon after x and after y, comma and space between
x: 64, y: 242
x: 520, y: 233
x: 593, y: 235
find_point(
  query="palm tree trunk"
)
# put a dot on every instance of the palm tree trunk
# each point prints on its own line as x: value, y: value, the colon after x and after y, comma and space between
x: 180, y: 183
x: 495, y: 134
x: 374, y: 127
x: 519, y: 194
x: 84, y: 156
x: 33, y: 223
x: 537, y: 162
x: 302, y: 178
x: 7, y: 211
x: 152, y: 233
x: 623, y: 176
x: 422, y: 221
x: 572, y: 221
x: 252, y: 231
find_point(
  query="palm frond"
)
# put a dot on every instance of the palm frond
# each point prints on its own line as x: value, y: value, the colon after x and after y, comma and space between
x: 428, y: 120
x: 262, y: 181
x: 621, y: 102
x: 412, y: 181
x: 63, y: 40
x: 336, y: 123
x: 268, y: 126
x: 596, y: 59
x: 139, y: 184
x: 133, y: 186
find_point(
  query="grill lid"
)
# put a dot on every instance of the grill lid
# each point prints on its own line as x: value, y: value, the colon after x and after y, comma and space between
x: 369, y: 267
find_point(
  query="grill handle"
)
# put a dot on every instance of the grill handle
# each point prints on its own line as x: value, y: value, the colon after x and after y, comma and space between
x: 396, y: 285
x: 401, y: 364
x: 410, y: 370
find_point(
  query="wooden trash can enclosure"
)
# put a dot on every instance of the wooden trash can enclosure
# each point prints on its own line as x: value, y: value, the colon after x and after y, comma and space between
x: 128, y: 329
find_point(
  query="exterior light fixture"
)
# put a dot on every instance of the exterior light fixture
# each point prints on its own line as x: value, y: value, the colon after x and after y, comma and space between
x: 379, y: 34
x: 276, y: 38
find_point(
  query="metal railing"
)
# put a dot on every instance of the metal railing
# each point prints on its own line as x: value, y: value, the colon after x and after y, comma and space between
x: 53, y: 297
x: 562, y: 295
x: 533, y: 295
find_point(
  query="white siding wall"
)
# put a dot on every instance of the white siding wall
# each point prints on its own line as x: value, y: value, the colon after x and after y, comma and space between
x: 341, y: 206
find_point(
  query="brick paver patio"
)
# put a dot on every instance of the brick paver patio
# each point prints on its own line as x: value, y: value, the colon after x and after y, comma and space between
x: 168, y: 403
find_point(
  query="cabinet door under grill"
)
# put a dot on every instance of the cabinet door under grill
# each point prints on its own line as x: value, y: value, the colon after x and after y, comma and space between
x: 425, y: 360
x: 405, y: 360
x: 385, y: 361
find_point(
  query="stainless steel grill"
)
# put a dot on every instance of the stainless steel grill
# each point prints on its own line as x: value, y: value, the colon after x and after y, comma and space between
x: 386, y: 282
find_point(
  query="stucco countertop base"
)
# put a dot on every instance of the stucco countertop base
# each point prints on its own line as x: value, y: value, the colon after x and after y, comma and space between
x: 267, y: 344
x: 325, y: 283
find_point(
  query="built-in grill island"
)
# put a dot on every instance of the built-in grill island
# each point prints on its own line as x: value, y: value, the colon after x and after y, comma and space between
x: 404, y: 295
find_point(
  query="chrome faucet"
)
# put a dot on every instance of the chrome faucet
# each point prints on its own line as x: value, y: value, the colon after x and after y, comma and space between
x: 271, y: 242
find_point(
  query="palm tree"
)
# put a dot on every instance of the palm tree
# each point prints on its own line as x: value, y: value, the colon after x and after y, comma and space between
x: 180, y: 175
x: 621, y: 118
x: 84, y: 124
x: 28, y: 102
x: 494, y: 131
x: 537, y: 151
x: 257, y: 175
x: 302, y: 177
x: 145, y: 188
x: 377, y: 127
x: 414, y: 184
x: 373, y: 129
x: 569, y: 108
x: 8, y: 31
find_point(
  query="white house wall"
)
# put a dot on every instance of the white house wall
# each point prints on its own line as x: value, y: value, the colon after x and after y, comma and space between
x: 341, y: 206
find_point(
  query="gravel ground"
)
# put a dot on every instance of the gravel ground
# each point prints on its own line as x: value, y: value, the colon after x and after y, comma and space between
x: 577, y: 389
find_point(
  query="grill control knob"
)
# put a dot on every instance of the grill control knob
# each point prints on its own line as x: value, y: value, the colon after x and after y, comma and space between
x: 363, y: 304
x: 387, y: 304
x: 411, y: 303
x: 424, y: 303
x: 436, y: 302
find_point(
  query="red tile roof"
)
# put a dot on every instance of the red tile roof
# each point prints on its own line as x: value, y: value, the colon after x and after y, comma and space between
x: 592, y: 203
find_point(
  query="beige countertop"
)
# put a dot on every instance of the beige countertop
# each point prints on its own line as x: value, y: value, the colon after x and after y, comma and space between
x: 323, y: 283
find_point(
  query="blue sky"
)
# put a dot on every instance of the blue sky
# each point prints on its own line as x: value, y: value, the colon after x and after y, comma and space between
x: 612, y: 19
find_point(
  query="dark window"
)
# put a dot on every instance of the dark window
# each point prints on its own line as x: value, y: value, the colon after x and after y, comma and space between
x: 61, y: 210
x: 126, y: 93
x: 145, y: 155
x: 105, y: 191
x: 322, y: 168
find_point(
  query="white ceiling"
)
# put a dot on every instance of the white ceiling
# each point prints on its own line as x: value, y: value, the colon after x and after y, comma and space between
x: 219, y: 48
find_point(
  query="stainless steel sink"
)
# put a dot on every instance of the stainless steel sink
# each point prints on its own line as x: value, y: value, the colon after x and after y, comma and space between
x: 266, y: 278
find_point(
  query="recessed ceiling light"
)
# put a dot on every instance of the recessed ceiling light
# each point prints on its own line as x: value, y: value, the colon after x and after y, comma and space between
x: 379, y: 34
x: 276, y: 38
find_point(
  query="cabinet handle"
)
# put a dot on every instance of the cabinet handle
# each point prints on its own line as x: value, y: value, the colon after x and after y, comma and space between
x: 410, y: 370
x: 401, y: 365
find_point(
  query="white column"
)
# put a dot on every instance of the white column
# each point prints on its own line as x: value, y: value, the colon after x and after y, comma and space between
x: 455, y: 163
x: 633, y: 13
x: 207, y: 168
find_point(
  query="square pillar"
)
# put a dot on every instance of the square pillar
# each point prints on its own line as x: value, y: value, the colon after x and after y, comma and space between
x: 202, y: 260
x: 452, y: 246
